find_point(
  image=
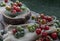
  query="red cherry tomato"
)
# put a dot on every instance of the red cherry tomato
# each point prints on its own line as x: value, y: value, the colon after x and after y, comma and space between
x: 14, y: 31
x: 44, y: 34
x: 15, y: 4
x: 43, y: 21
x: 42, y: 27
x: 18, y: 9
x: 13, y: 11
x: 46, y: 27
x: 5, y: 1
x: 38, y: 31
x: 14, y: 7
x: 42, y: 16
x: 45, y: 17
x: 49, y: 19
x: 54, y: 35
x: 20, y: 4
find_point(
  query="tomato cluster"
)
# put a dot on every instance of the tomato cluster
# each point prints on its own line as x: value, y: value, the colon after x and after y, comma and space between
x: 15, y: 7
x: 42, y: 21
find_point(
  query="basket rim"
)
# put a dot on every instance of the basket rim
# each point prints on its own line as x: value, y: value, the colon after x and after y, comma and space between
x: 14, y: 18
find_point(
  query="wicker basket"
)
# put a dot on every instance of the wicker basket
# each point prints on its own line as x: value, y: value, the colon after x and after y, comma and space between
x: 16, y: 21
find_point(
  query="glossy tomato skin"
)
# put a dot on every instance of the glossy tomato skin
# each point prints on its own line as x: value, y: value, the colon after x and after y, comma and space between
x: 14, y: 31
x: 5, y: 1
x: 43, y: 21
x: 42, y: 27
x: 18, y: 9
x: 44, y: 34
x: 13, y: 11
x: 54, y: 35
x: 14, y: 7
x: 8, y: 8
x: 15, y: 4
x: 42, y: 16
x: 46, y: 27
x: 45, y: 17
x: 19, y: 4
x: 49, y: 19
x: 38, y: 31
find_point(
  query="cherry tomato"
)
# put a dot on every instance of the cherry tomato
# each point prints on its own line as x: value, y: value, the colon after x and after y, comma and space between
x: 43, y: 21
x: 13, y: 11
x: 46, y: 27
x: 5, y: 1
x: 15, y: 4
x: 38, y: 31
x: 18, y: 9
x: 14, y: 31
x: 49, y: 19
x: 14, y: 7
x: 44, y: 34
x: 19, y: 4
x: 45, y: 17
x: 42, y: 15
x: 54, y: 35
x: 42, y: 27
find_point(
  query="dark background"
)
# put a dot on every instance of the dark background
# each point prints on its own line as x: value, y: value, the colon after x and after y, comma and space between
x: 50, y: 7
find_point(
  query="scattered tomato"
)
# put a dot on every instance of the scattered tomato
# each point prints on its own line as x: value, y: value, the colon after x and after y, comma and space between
x: 49, y: 19
x: 14, y: 7
x: 43, y: 21
x: 44, y: 34
x: 18, y: 9
x: 14, y: 31
x: 13, y: 11
x: 19, y: 4
x: 42, y: 15
x: 15, y: 4
x: 46, y: 27
x: 42, y: 27
x: 54, y: 35
x: 5, y: 1
x: 38, y: 31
